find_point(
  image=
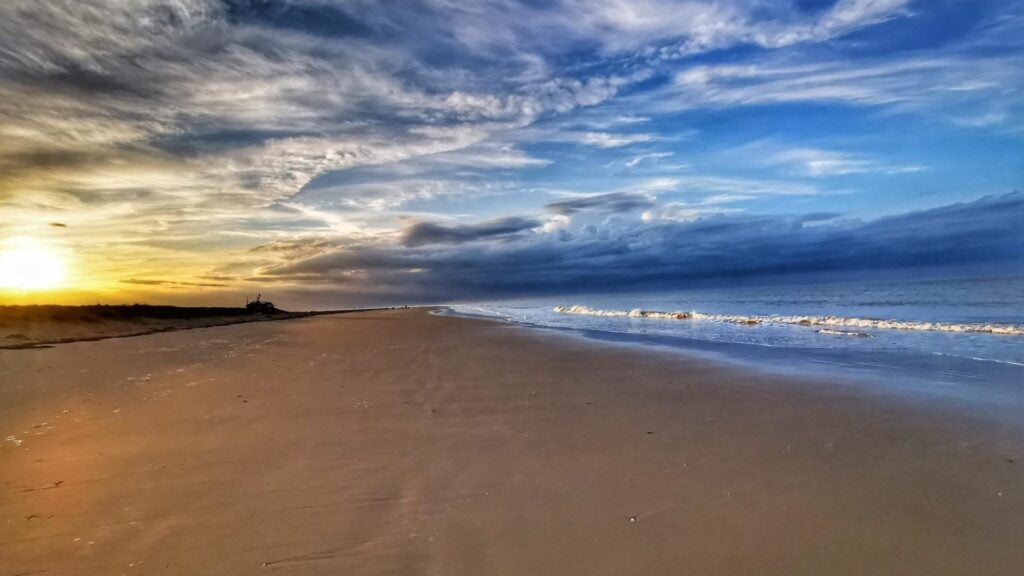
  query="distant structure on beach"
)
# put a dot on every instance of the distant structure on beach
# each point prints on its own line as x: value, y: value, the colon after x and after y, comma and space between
x: 259, y: 305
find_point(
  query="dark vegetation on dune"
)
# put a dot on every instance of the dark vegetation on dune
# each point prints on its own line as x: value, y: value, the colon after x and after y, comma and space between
x: 43, y: 325
x: 104, y: 312
x: 130, y: 312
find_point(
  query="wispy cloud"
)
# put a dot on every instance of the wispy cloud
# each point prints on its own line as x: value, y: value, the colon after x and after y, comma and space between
x: 649, y: 157
x: 737, y: 186
x: 608, y: 140
x: 917, y: 82
x: 814, y: 162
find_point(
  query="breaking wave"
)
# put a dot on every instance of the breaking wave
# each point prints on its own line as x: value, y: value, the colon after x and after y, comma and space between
x: 825, y: 322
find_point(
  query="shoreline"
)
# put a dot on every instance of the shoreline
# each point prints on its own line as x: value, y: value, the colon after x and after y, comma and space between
x: 963, y: 379
x: 407, y: 442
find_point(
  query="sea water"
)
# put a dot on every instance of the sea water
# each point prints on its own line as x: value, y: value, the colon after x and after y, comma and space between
x: 962, y: 337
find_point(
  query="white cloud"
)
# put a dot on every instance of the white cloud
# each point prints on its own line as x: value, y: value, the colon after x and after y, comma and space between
x: 817, y: 162
x: 650, y: 157
x: 727, y: 185
x: 812, y: 162
x: 683, y: 212
x: 485, y: 156
x: 912, y: 82
x: 609, y: 140
x: 666, y: 28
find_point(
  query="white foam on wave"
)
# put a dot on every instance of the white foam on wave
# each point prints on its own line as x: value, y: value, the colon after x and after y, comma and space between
x: 1008, y: 362
x: 831, y: 332
x: 821, y: 321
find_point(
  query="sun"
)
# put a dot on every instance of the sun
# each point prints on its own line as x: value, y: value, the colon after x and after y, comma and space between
x: 29, y: 264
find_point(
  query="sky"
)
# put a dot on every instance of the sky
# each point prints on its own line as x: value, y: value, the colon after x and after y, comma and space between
x: 333, y: 153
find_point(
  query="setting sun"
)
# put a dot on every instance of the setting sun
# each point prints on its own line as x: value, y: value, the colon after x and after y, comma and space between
x: 28, y: 264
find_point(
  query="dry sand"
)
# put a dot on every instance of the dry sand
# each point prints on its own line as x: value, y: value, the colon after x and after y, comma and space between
x: 404, y: 443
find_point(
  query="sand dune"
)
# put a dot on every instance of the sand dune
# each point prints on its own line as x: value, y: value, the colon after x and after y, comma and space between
x: 397, y: 442
x: 38, y: 326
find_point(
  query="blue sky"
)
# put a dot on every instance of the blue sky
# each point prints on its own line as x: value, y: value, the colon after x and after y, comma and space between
x: 340, y: 152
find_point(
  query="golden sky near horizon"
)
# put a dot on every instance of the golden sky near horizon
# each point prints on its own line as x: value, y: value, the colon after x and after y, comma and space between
x: 47, y: 268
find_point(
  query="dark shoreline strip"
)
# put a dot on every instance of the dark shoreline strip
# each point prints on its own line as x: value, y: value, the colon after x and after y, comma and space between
x: 227, y: 321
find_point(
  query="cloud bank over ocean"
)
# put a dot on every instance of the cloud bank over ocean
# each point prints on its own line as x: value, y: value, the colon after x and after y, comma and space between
x: 630, y: 253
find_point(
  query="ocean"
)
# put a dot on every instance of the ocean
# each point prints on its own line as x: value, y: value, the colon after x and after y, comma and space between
x: 962, y: 338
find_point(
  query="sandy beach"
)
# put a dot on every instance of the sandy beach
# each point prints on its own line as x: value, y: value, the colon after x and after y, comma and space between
x: 400, y: 442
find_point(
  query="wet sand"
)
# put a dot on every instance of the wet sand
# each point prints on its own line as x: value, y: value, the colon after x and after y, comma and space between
x: 396, y: 442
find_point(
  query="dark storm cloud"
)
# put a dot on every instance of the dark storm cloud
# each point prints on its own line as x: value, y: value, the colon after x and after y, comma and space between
x: 819, y: 216
x: 614, y: 202
x: 423, y: 233
x: 663, y: 254
x: 321, y: 19
x: 71, y: 78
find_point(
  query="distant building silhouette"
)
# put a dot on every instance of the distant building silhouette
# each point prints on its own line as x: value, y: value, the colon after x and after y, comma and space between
x: 259, y: 305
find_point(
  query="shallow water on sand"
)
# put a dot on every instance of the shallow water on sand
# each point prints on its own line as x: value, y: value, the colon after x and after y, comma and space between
x: 962, y: 337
